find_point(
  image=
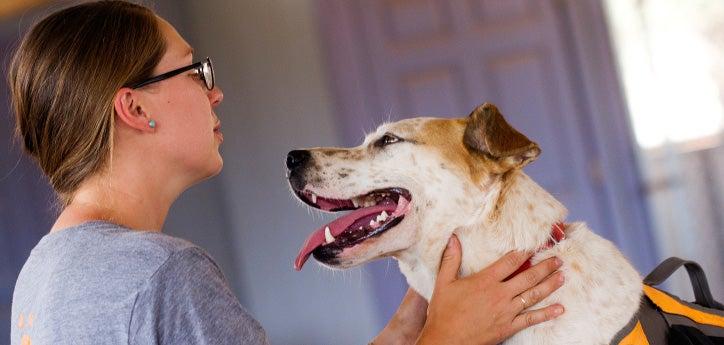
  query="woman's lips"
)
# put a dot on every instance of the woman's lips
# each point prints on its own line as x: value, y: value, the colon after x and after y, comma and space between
x: 217, y: 132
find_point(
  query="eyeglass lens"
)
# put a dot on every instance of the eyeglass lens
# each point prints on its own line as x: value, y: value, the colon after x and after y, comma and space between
x: 208, y: 73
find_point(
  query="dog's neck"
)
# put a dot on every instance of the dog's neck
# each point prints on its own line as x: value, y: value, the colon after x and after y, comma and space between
x: 517, y: 215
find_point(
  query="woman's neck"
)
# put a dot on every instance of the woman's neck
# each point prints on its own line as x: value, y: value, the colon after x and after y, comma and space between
x: 136, y: 205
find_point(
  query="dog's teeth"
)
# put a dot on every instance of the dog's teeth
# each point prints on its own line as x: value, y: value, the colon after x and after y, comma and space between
x: 328, y: 235
x: 314, y: 198
x: 355, y: 202
x: 382, y: 216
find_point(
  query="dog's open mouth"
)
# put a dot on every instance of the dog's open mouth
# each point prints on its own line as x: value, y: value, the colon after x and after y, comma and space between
x: 372, y: 214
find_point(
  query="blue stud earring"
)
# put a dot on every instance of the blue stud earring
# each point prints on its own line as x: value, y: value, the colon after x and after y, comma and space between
x: 152, y: 123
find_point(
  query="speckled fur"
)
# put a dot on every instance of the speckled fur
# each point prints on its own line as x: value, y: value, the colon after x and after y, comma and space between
x: 457, y: 190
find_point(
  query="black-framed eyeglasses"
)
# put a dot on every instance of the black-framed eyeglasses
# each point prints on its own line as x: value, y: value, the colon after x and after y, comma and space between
x: 204, y: 68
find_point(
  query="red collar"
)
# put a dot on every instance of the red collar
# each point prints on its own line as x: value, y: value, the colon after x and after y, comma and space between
x: 558, y: 233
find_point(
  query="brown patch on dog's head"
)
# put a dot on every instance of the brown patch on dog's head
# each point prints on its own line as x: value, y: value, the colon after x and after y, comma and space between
x: 444, y: 136
x: 489, y: 134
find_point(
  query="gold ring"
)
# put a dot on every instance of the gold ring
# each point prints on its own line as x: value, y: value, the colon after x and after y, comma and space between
x: 522, y: 300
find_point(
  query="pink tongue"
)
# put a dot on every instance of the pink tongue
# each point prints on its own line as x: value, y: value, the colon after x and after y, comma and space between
x: 336, y: 227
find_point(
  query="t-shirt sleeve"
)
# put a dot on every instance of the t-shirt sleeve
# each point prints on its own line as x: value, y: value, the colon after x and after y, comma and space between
x: 188, y: 301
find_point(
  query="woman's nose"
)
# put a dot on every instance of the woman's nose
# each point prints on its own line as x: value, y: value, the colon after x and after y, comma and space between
x: 216, y: 96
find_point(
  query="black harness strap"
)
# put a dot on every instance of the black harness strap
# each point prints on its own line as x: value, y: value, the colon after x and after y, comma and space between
x: 652, y: 322
x: 702, y: 294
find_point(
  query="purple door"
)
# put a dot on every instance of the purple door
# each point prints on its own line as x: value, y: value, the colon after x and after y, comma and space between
x: 392, y: 59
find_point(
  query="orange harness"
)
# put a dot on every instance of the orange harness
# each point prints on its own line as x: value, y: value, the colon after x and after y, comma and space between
x: 665, y: 319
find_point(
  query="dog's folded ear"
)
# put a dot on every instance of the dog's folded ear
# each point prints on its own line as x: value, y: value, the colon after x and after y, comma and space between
x: 487, y: 132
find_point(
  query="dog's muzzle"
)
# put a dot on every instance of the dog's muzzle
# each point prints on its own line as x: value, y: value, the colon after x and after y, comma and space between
x: 372, y: 213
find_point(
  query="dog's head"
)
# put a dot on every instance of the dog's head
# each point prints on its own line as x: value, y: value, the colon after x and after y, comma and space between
x: 406, y: 185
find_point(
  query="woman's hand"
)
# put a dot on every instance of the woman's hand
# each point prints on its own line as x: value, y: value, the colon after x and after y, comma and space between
x: 482, y: 308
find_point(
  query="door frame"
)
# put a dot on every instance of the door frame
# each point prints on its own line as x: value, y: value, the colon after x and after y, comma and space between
x: 603, y: 108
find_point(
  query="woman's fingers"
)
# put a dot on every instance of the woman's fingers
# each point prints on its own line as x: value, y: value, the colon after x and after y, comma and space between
x: 536, y: 294
x: 506, y: 265
x: 481, y: 308
x: 532, y: 276
x: 534, y: 317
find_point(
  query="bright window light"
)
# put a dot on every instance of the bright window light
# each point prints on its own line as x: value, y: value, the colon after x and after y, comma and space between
x: 672, y: 65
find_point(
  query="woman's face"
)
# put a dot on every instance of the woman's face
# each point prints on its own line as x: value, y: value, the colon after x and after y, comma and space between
x: 187, y: 129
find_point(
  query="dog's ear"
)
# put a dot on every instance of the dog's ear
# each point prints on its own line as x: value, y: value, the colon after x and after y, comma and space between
x: 487, y: 132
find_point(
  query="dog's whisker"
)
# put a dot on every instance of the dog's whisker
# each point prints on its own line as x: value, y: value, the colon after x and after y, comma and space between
x: 349, y: 278
x: 359, y: 282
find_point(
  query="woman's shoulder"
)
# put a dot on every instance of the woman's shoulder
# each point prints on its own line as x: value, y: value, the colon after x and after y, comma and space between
x: 105, y: 233
x: 110, y: 246
x: 158, y: 249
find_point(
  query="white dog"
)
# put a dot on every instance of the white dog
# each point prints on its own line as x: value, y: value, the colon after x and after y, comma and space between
x: 413, y: 183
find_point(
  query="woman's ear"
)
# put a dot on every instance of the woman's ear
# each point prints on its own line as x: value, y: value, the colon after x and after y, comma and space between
x: 487, y: 132
x: 130, y: 111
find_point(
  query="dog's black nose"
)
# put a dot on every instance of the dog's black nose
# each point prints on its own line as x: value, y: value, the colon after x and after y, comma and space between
x: 297, y: 158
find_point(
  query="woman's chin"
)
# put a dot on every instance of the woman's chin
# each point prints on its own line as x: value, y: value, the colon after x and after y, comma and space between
x: 218, y: 166
x: 212, y: 169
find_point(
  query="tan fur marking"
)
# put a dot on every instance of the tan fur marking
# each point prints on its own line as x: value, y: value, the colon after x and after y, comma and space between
x: 445, y: 136
x: 504, y: 194
x: 576, y: 267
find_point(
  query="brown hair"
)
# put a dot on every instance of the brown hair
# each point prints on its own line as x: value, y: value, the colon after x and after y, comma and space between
x: 63, y: 79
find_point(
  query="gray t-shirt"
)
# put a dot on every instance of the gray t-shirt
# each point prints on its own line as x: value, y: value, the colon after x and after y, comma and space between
x: 99, y: 283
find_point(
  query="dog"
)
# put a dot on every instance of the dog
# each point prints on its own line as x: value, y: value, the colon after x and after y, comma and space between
x: 413, y: 183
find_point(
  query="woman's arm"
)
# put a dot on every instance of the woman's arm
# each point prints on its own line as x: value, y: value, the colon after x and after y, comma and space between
x: 405, y: 326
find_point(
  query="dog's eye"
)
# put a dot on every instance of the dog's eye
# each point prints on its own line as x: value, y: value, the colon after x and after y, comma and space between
x: 387, y: 139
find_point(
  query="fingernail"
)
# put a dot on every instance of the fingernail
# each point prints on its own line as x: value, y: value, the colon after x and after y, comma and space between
x: 558, y: 262
x: 450, y: 241
x: 558, y: 310
x: 561, y: 277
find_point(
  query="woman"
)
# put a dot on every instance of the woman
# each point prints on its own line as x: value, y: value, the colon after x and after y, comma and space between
x: 110, y: 104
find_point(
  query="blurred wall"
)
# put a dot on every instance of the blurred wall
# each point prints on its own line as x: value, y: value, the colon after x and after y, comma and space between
x: 199, y: 215
x: 269, y: 64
